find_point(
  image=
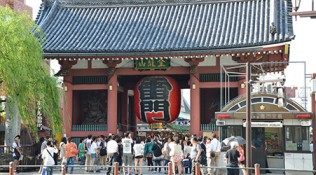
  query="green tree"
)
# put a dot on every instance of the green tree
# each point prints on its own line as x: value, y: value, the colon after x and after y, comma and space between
x: 24, y: 73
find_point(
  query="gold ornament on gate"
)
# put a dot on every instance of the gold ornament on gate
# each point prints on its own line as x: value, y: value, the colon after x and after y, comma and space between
x: 157, y: 125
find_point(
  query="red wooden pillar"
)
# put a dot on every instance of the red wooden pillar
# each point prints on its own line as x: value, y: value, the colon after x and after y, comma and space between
x: 124, y: 110
x: 67, y: 110
x: 112, y: 104
x: 194, y: 105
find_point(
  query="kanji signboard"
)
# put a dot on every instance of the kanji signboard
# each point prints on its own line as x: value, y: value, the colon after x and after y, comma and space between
x: 152, y: 64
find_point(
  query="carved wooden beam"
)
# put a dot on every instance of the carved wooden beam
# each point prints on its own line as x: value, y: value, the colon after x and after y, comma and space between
x: 194, y: 62
x: 66, y: 65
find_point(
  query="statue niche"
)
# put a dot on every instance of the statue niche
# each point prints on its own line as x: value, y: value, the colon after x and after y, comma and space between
x: 94, y: 108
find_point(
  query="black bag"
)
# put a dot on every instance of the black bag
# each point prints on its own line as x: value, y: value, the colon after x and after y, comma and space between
x: 212, y: 154
x: 202, y: 159
x: 103, y: 151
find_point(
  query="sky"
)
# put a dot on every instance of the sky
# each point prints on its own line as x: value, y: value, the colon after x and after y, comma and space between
x: 302, y: 48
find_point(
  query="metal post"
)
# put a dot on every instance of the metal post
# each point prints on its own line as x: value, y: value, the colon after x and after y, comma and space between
x: 257, y: 169
x: 116, y: 168
x: 197, y: 169
x: 11, y: 171
x: 169, y: 168
x: 248, y: 118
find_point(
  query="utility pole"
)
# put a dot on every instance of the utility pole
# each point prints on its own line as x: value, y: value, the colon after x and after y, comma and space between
x: 248, y: 118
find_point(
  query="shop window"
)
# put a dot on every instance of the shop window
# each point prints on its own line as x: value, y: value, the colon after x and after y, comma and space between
x: 228, y: 131
x: 297, y: 138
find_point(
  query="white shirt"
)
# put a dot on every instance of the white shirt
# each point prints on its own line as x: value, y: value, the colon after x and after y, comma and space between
x: 186, y: 150
x: 14, y: 145
x: 311, y: 147
x: 93, y: 147
x: 88, y: 144
x: 127, y: 145
x: 62, y: 149
x: 139, y: 149
x: 215, y: 145
x: 112, y: 146
x: 47, y: 158
x: 175, y: 150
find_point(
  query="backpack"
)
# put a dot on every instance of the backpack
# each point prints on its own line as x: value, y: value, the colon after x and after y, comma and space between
x: 202, y: 159
x: 103, y: 151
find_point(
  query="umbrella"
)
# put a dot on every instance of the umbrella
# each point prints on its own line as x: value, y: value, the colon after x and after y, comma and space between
x: 240, y: 140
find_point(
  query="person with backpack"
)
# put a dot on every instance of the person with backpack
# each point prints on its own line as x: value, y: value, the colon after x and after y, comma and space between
x: 158, y: 156
x: 195, y: 153
x: 102, y: 152
x: 202, y: 158
x: 17, y: 152
x: 48, y: 158
x: 71, y: 153
x: 127, y: 143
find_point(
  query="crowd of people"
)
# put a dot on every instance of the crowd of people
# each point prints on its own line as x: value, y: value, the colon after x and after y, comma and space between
x: 98, y: 153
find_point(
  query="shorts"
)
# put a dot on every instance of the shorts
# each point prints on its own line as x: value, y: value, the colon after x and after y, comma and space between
x: 139, y: 157
x: 127, y: 159
x: 16, y: 157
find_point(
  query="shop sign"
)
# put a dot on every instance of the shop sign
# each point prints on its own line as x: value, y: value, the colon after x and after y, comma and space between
x: 152, y: 64
x: 265, y: 124
x: 306, y: 123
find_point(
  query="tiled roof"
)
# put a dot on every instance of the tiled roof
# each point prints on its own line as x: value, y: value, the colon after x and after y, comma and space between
x: 134, y: 26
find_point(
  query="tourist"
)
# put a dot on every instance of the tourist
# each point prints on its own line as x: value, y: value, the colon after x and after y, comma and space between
x: 195, y: 153
x: 158, y: 156
x: 166, y: 151
x: 88, y: 153
x: 127, y: 153
x: 17, y: 152
x: 62, y: 151
x: 187, y: 162
x: 232, y: 159
x: 48, y: 158
x: 208, y: 154
x: 216, y: 148
x: 71, y: 153
x: 241, y: 159
x: 149, y: 153
x: 102, y: 152
x: 112, y: 150
x: 176, y: 156
x: 139, y: 155
x: 120, y: 151
x: 93, y: 152
x: 81, y: 153
x: 43, y: 146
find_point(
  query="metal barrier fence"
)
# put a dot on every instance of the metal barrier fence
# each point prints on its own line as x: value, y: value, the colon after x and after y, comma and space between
x: 197, y: 167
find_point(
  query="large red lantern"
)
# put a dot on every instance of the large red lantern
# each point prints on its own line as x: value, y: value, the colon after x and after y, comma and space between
x: 157, y: 99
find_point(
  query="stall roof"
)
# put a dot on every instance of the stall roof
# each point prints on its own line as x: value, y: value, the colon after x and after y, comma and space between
x: 146, y: 26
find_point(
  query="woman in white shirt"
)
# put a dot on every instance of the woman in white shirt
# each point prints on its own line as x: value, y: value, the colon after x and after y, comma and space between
x: 139, y: 155
x: 62, y: 150
x: 176, y: 156
x: 93, y: 151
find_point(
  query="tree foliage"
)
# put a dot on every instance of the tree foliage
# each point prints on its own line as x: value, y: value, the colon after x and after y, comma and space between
x: 23, y: 73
